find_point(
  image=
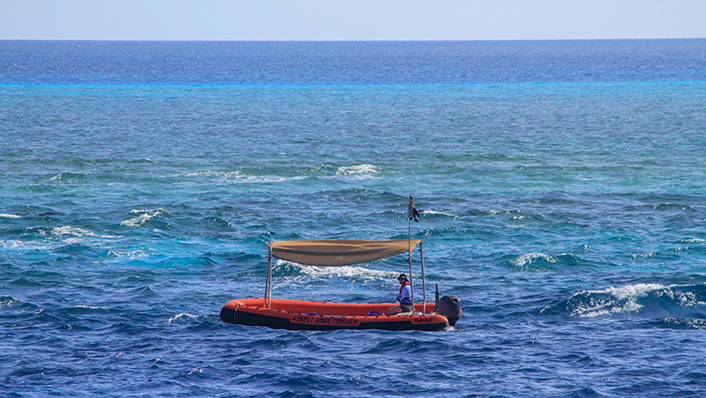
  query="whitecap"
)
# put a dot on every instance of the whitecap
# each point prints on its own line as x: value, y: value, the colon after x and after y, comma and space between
x: 182, y: 317
x: 638, y: 290
x: 683, y: 298
x: 73, y: 231
x: 68, y: 230
x: 496, y: 212
x: 143, y: 217
x: 529, y: 258
x: 689, y: 323
x: 613, y: 300
x: 89, y: 307
x: 5, y: 215
x: 362, y: 170
x: 67, y: 176
x: 228, y: 175
x: 22, y: 245
x: 430, y: 212
x: 269, y: 179
x: 130, y: 255
x: 57, y: 177
x: 240, y: 177
x: 346, y: 272
x: 9, y: 301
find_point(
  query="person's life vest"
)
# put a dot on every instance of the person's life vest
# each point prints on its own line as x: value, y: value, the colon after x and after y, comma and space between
x: 406, y: 283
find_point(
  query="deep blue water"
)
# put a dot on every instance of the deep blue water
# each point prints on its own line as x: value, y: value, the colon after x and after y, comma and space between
x: 562, y: 186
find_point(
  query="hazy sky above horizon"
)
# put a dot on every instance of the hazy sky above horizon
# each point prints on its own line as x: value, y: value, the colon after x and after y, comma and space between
x: 351, y: 20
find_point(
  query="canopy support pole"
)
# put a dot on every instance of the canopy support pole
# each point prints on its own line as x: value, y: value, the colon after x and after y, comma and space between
x: 409, y: 240
x: 424, y: 281
x: 268, y: 283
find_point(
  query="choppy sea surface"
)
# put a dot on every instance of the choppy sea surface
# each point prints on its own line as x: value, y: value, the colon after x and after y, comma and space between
x: 562, y: 187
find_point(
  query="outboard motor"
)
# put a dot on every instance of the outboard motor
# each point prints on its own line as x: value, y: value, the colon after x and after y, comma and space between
x: 450, y: 307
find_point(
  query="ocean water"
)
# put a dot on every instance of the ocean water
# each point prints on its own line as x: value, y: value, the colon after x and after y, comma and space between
x: 562, y: 187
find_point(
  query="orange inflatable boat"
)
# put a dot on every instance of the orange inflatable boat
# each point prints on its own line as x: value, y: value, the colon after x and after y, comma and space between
x: 313, y: 315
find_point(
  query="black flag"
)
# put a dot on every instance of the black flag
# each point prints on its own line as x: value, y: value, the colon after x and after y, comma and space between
x: 413, y: 213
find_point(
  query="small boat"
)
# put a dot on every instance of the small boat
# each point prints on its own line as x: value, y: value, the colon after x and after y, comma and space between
x: 314, y: 315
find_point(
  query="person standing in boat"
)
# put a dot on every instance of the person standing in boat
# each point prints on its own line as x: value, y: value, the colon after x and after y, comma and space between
x: 404, y: 298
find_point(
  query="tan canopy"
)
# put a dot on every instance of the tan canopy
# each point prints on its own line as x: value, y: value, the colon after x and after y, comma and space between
x: 336, y: 252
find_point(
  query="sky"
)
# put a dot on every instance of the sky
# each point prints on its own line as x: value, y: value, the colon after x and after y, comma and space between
x: 351, y: 19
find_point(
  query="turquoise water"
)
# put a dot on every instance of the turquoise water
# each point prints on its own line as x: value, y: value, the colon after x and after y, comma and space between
x: 562, y: 188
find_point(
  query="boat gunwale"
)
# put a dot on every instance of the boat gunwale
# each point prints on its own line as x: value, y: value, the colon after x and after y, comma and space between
x: 236, y: 312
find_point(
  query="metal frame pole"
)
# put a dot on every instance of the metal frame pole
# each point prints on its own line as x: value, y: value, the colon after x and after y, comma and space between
x: 424, y: 281
x: 268, y: 284
x: 409, y: 248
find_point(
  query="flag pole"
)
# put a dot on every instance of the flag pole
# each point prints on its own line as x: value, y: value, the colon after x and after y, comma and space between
x: 409, y: 249
x: 412, y: 214
x: 424, y: 279
x: 268, y: 283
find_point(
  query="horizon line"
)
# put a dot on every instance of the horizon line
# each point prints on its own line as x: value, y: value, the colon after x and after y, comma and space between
x: 358, y: 40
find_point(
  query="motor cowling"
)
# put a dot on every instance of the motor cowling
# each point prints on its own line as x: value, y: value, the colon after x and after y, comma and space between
x: 450, y: 307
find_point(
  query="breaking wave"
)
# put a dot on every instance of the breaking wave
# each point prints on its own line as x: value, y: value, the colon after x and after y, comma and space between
x: 429, y: 212
x: 143, y: 216
x: 68, y: 177
x: 183, y: 317
x: 362, y: 170
x: 542, y: 262
x: 346, y: 272
x: 646, y: 300
x: 287, y: 268
x: 52, y: 238
x: 240, y: 177
x: 73, y: 231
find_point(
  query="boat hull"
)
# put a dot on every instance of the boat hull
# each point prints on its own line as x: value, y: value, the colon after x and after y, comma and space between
x: 313, y: 315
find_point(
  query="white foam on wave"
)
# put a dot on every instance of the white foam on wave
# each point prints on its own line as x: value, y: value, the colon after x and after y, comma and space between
x: 624, y: 300
x: 529, y: 258
x: 361, y: 170
x: 73, y: 231
x: 240, y: 177
x: 689, y: 323
x: 68, y: 176
x: 130, y: 255
x: 430, y: 212
x: 496, y: 212
x: 638, y: 290
x: 183, y: 317
x: 346, y: 272
x: 228, y: 175
x: 15, y: 244
x: 9, y: 301
x: 68, y: 230
x: 58, y: 176
x: 685, y: 299
x: 89, y: 307
x: 338, y: 271
x: 271, y: 179
x: 56, y: 237
x: 5, y: 215
x: 143, y: 217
